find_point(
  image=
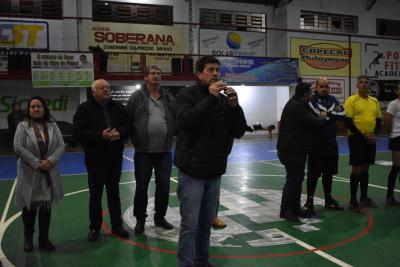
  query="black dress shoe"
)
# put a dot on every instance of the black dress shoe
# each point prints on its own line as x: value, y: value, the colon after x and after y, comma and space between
x: 289, y: 216
x: 28, y: 245
x: 163, y: 224
x: 93, y: 235
x: 121, y: 232
x: 139, y: 228
x: 46, y: 244
x: 309, y: 206
x: 392, y: 202
x: 303, y: 213
x: 368, y: 203
x: 354, y: 207
x: 333, y: 205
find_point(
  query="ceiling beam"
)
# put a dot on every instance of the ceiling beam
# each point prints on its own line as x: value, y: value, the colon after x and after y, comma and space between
x: 370, y: 4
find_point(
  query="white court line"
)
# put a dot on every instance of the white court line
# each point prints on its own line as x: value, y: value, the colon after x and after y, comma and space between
x: 316, y: 251
x: 338, y: 177
x: 4, y: 225
x: 127, y: 158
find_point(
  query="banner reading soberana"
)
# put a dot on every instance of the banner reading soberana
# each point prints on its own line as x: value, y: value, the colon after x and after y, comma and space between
x: 327, y: 58
x: 62, y: 69
x: 138, y: 38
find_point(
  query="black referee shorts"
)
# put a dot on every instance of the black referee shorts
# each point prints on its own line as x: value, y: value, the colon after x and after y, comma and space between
x: 323, y: 159
x: 360, y: 151
x: 394, y: 143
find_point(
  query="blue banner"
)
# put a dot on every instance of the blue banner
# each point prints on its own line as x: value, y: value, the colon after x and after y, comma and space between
x: 268, y: 71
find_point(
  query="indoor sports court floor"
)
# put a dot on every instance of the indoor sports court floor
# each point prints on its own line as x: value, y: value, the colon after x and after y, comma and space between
x: 250, y: 198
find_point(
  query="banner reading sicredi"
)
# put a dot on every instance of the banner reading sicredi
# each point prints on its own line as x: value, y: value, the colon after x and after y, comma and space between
x: 62, y: 69
x: 327, y: 58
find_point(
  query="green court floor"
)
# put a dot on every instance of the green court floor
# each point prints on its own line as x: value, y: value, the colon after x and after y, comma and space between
x: 255, y: 236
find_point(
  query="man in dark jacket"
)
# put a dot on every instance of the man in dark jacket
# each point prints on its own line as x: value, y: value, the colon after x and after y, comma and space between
x: 298, y: 127
x: 151, y: 120
x: 209, y: 118
x: 324, y: 157
x: 101, y: 125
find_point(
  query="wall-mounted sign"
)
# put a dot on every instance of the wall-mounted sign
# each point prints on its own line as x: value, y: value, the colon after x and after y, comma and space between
x: 382, y: 61
x: 32, y: 35
x: 328, y: 58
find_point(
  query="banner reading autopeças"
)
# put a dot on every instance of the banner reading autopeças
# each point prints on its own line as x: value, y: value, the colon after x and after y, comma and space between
x: 327, y: 58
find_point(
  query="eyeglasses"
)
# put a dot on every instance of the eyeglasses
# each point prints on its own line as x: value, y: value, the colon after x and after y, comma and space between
x: 324, y: 86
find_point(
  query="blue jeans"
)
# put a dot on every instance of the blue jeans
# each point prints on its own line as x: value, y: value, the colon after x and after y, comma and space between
x: 198, y: 201
x: 144, y: 164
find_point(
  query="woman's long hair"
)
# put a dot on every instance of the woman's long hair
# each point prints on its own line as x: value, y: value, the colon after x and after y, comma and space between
x: 46, y: 115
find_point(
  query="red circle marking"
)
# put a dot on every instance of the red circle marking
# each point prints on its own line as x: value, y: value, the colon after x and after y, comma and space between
x: 359, y: 235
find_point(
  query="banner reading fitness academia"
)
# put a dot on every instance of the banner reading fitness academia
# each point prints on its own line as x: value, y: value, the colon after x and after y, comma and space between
x: 138, y: 38
x: 232, y: 43
x: 382, y: 61
x: 62, y: 69
x: 326, y: 58
x: 268, y: 71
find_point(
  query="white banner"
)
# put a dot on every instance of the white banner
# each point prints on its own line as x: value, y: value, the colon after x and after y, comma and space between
x: 336, y: 86
x: 232, y: 43
x: 382, y: 61
x: 62, y: 69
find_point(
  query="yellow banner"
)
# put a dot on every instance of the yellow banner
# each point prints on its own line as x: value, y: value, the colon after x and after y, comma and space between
x: 328, y: 58
x: 138, y: 38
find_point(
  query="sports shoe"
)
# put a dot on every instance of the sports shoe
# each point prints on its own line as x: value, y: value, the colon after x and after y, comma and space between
x: 333, y: 205
x: 28, y: 244
x: 218, y: 223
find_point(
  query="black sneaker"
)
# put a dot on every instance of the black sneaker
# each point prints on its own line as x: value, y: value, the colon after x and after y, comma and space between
x: 354, y: 207
x: 93, y: 235
x: 333, y: 205
x: 121, y: 232
x: 139, y: 228
x: 368, y: 203
x: 163, y: 223
x: 289, y: 216
x: 392, y: 202
x: 309, y: 206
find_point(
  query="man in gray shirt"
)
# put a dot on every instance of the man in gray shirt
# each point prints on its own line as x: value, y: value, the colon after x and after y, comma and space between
x: 152, y: 129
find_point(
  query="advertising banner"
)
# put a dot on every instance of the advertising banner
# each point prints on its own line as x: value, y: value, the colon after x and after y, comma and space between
x: 138, y: 38
x: 62, y: 102
x: 62, y: 69
x: 24, y: 34
x: 336, y: 86
x: 326, y: 58
x: 232, y: 43
x: 268, y: 71
x: 382, y: 61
